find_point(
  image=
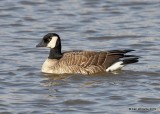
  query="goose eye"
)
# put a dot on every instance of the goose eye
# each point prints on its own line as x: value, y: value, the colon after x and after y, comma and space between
x: 47, y: 40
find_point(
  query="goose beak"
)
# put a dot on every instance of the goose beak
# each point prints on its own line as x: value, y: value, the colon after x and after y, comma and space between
x: 41, y: 44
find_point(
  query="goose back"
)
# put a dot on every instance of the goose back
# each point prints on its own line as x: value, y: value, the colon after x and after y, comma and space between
x: 87, y: 62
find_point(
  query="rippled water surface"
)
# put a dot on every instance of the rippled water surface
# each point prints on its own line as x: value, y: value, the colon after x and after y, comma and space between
x: 82, y: 24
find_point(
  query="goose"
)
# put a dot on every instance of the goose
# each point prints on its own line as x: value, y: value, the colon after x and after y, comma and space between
x: 82, y: 62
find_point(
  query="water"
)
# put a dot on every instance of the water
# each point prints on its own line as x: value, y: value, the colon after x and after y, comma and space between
x: 88, y: 25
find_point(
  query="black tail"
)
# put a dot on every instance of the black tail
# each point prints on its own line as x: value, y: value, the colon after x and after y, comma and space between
x: 121, y: 51
x: 127, y: 59
x: 130, y: 60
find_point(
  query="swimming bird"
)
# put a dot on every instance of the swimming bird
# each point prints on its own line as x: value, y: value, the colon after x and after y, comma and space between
x: 82, y: 62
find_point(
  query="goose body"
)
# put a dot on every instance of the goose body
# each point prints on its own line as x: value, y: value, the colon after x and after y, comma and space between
x: 83, y: 62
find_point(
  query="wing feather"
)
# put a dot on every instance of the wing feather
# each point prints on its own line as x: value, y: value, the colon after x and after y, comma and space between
x: 90, y: 61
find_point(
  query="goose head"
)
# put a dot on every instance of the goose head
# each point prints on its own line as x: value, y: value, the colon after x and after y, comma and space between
x: 50, y: 40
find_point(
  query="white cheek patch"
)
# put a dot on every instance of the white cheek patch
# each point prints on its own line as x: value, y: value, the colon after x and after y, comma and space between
x: 52, y: 43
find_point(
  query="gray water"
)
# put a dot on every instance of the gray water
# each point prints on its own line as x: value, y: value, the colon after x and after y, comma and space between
x: 87, y: 25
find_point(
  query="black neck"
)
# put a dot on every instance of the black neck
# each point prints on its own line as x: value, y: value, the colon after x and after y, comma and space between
x: 55, y: 53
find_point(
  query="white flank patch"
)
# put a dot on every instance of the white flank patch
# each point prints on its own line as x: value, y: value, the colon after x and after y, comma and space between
x: 116, y: 66
x: 52, y: 43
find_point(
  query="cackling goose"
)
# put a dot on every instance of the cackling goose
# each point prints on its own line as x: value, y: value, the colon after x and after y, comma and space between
x: 83, y: 62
